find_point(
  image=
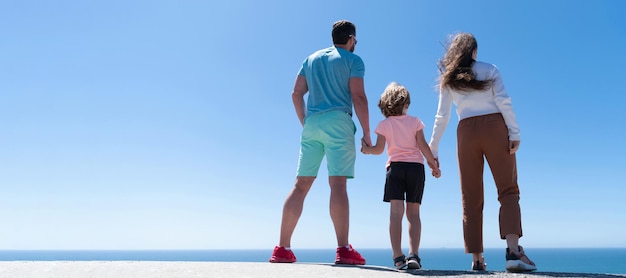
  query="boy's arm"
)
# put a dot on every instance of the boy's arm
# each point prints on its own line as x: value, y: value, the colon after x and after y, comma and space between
x: 376, y: 149
x: 425, y: 149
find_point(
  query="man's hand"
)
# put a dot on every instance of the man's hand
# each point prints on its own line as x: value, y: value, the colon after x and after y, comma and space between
x: 364, y: 146
x: 366, y: 140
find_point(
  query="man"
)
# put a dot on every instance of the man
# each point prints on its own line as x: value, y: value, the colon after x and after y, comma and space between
x: 333, y: 77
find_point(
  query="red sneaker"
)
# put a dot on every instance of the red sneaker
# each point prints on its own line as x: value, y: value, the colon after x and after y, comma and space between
x: 348, y: 256
x: 282, y: 255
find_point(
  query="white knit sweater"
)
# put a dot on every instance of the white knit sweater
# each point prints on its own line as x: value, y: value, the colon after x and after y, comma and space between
x: 475, y: 103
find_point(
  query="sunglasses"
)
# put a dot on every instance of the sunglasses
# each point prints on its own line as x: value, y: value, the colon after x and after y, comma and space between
x: 354, y: 36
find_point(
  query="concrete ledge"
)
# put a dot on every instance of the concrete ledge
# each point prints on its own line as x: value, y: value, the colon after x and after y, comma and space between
x: 117, y: 269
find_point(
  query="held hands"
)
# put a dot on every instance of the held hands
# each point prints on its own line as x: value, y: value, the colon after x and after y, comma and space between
x: 436, y: 172
x: 434, y: 166
x: 365, y: 146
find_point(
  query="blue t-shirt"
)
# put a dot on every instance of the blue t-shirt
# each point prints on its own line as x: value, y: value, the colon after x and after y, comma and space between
x: 328, y: 72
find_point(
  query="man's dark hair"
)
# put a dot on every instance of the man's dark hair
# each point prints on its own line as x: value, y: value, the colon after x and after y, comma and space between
x: 342, y: 31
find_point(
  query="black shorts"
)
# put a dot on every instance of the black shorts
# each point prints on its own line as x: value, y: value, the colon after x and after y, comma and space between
x: 405, y: 177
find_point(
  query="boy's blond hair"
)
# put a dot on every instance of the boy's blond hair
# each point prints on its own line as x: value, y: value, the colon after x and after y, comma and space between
x: 393, y: 100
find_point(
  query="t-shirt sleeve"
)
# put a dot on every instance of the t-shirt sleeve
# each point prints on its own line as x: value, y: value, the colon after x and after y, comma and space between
x: 419, y: 124
x: 357, y: 68
x: 301, y: 71
x: 380, y: 128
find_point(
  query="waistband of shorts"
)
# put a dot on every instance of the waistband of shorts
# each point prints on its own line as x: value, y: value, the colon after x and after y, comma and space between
x: 405, y: 163
x: 328, y: 112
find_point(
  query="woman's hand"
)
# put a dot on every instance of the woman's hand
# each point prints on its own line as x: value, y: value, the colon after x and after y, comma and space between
x: 513, y: 146
x: 436, y: 172
x: 434, y: 166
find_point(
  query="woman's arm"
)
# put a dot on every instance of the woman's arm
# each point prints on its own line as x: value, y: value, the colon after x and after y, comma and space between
x: 441, y: 119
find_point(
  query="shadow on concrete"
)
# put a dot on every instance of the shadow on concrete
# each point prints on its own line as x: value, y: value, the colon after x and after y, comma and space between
x: 566, y: 274
x: 435, y: 273
x: 506, y: 274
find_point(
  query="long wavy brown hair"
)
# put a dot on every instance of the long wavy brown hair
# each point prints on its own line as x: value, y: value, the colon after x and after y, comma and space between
x: 456, y: 65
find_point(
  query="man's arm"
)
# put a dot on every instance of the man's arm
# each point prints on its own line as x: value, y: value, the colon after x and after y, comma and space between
x: 357, y: 89
x: 299, y: 90
x: 377, y: 149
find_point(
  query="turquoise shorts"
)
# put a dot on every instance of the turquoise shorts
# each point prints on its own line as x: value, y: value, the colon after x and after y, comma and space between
x: 329, y: 134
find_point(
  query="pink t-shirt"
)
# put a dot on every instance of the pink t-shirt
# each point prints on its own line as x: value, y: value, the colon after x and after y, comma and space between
x: 400, y: 134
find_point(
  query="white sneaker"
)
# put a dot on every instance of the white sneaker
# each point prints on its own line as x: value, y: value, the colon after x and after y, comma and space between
x: 518, y: 261
x: 519, y: 266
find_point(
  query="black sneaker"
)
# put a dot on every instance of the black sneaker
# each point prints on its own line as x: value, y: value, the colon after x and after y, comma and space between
x: 479, y: 266
x: 414, y: 262
x: 518, y: 261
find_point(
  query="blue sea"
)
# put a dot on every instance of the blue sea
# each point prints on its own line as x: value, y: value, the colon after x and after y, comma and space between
x: 568, y: 260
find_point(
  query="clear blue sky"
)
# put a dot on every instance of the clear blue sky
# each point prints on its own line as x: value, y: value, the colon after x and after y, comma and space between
x: 169, y: 124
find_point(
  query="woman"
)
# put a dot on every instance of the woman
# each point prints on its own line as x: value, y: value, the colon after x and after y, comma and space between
x: 487, y: 129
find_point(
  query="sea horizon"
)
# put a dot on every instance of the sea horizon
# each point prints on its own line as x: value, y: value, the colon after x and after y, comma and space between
x: 602, y: 260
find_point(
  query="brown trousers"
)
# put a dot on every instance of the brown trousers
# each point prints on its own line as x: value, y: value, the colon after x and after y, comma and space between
x: 478, y: 138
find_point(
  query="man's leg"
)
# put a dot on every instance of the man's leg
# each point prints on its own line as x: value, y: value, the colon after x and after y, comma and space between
x: 339, y: 208
x: 293, y: 209
x: 340, y: 214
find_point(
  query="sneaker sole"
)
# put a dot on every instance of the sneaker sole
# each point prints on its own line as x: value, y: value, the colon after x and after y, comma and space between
x: 481, y: 267
x: 401, y: 267
x: 274, y: 260
x: 519, y: 266
x: 413, y: 265
x: 350, y: 262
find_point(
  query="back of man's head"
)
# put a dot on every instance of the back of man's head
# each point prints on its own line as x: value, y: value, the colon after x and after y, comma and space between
x: 342, y: 30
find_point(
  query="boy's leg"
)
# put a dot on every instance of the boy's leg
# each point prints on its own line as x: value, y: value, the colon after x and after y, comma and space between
x: 415, y: 226
x: 292, y: 209
x: 395, y: 226
x: 416, y: 178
